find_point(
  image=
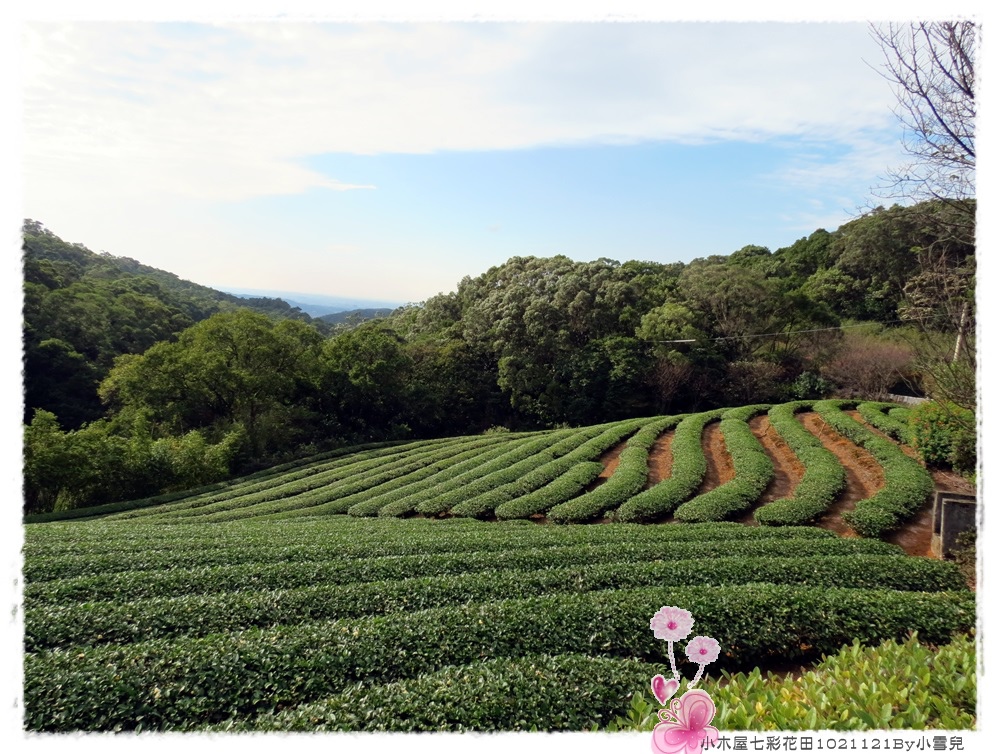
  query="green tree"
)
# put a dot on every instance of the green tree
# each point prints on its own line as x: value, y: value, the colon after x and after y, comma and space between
x: 366, y: 373
x: 235, y: 368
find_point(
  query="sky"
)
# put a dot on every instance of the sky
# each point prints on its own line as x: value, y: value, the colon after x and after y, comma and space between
x: 389, y: 160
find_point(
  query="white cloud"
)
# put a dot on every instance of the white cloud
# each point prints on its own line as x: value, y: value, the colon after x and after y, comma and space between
x: 227, y: 113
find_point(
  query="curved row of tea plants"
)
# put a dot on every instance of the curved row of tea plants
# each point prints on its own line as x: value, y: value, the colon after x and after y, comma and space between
x: 907, y: 483
x: 915, y: 687
x: 49, y: 625
x: 549, y: 485
x: 375, y: 477
x: 688, y: 469
x: 502, y: 473
x: 555, y: 474
x: 751, y: 464
x: 447, y: 474
x: 296, y: 547
x: 822, y: 482
x: 280, y: 486
x: 468, y: 498
x: 885, y: 417
x: 221, y: 490
x: 133, y: 585
x: 627, y: 480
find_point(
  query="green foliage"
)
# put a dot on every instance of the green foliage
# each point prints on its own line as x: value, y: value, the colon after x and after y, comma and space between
x: 894, y: 685
x: 907, y: 483
x: 555, y: 332
x: 538, y: 692
x: 552, y: 483
x: 533, y: 343
x: 809, y: 386
x: 964, y: 553
x: 879, y: 416
x: 627, y: 480
x: 134, y: 625
x: 145, y: 546
x: 133, y: 575
x: 752, y: 466
x: 84, y: 309
x: 469, y: 458
x: 689, y: 466
x: 822, y: 481
x: 944, y: 435
x: 189, y: 682
x: 510, y: 464
x: 48, y: 625
x: 67, y: 471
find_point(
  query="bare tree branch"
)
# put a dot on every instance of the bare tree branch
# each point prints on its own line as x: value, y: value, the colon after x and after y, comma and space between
x: 932, y: 69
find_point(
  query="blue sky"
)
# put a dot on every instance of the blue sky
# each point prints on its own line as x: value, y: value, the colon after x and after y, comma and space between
x: 389, y: 160
x: 238, y: 156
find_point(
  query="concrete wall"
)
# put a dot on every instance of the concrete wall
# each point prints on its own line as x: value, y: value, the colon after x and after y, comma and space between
x: 953, y: 514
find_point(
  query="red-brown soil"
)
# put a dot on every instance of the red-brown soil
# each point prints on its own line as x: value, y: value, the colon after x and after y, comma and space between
x: 661, y: 459
x: 872, y: 428
x: 864, y: 474
x: 915, y: 536
x: 952, y: 482
x: 788, y: 470
x: 610, y: 459
x: 720, y: 463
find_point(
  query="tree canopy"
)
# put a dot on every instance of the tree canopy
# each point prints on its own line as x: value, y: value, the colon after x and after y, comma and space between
x: 134, y: 386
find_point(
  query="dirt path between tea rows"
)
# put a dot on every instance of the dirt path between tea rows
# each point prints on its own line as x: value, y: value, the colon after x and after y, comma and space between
x: 718, y: 461
x: 661, y: 459
x: 915, y: 536
x: 863, y: 472
x: 788, y: 470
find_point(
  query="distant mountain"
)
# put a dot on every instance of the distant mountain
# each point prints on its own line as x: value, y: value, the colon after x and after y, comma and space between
x: 316, y: 304
x: 82, y: 310
x: 355, y: 316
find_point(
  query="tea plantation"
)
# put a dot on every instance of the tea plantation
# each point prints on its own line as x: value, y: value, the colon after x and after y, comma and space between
x: 466, y: 581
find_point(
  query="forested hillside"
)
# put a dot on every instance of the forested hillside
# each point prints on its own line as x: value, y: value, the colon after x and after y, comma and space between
x: 82, y: 309
x: 138, y: 382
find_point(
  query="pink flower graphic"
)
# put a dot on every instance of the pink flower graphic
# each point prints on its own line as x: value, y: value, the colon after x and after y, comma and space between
x: 703, y: 650
x: 685, y: 729
x: 671, y: 623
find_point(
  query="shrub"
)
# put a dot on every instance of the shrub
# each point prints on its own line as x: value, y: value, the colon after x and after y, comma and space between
x: 907, y: 484
x: 894, y: 685
x: 569, y: 692
x: 877, y: 414
x: 627, y: 480
x: 809, y: 386
x: 48, y: 625
x: 944, y: 435
x: 752, y: 466
x: 431, y: 559
x: 964, y: 553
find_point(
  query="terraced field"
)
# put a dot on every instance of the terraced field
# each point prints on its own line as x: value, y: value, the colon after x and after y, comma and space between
x: 305, y: 596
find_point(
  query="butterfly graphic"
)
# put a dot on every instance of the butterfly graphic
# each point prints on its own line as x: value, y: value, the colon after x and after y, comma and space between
x: 684, y: 727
